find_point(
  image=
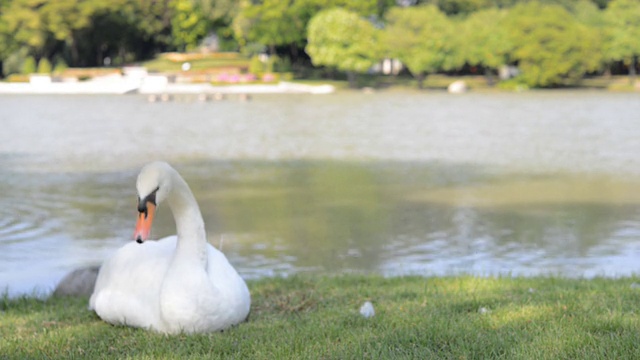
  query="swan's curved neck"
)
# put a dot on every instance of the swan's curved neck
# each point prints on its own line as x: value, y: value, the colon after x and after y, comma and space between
x: 192, y: 238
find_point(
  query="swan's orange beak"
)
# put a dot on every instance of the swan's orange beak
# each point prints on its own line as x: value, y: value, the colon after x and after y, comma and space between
x: 145, y: 219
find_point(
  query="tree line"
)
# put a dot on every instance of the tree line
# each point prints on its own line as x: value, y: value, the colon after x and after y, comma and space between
x: 551, y: 42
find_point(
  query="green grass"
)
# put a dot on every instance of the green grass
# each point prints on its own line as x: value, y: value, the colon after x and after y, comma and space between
x: 317, y: 318
x: 166, y: 64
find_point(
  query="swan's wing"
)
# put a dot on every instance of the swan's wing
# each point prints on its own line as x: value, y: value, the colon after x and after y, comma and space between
x: 128, y: 286
x: 233, y: 290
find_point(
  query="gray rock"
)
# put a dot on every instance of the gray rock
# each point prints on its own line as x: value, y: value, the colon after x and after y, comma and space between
x: 79, y: 282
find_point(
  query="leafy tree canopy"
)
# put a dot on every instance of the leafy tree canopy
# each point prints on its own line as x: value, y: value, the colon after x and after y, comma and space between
x: 550, y: 46
x: 422, y: 38
x: 344, y: 40
x: 623, y: 18
x: 569, y: 40
x: 483, y: 39
x: 275, y: 22
x: 188, y: 24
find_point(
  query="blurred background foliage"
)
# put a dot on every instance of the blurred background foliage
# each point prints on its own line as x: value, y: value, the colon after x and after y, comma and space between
x: 549, y: 42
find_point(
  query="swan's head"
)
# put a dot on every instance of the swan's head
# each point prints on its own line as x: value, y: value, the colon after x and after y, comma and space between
x: 153, y: 185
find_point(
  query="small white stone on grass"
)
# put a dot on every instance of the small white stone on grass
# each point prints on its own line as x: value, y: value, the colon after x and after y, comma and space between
x: 457, y: 87
x: 366, y: 309
x: 484, y: 310
x: 635, y: 286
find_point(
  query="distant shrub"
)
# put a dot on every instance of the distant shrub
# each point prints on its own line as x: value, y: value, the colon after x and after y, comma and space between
x: 253, y: 49
x: 13, y: 63
x: 514, y: 84
x: 255, y: 65
x: 60, y: 66
x: 29, y: 65
x: 288, y: 76
x: 269, y: 66
x: 44, y: 66
x: 273, y: 64
x: 227, y: 42
x: 282, y: 65
x: 17, y: 78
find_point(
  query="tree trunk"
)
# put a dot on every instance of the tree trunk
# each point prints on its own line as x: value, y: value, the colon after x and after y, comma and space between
x: 607, y: 70
x: 420, y: 77
x: 99, y: 56
x: 488, y: 75
x: 351, y: 76
x: 75, y: 54
x: 122, y: 53
x: 632, y: 70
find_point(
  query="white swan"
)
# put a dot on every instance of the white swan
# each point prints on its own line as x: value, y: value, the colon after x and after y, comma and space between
x: 176, y: 284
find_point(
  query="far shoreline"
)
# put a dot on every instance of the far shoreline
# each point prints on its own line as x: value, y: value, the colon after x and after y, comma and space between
x: 161, y: 84
x: 131, y: 86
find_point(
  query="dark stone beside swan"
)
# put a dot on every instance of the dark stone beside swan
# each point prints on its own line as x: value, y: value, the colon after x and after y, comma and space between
x: 79, y: 282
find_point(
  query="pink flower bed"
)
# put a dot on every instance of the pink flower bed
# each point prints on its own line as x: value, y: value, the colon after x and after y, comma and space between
x: 235, y: 78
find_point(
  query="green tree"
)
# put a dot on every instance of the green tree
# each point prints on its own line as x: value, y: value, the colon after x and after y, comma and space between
x: 342, y: 39
x: 271, y: 23
x: 454, y: 7
x: 46, y: 27
x: 219, y: 15
x: 22, y: 26
x: 218, y: 12
x: 587, y: 13
x: 551, y: 47
x: 623, y: 33
x: 188, y: 24
x: 14, y: 63
x: 152, y: 19
x: 5, y: 40
x: 63, y: 19
x: 484, y: 41
x: 284, y: 23
x: 124, y: 31
x: 423, y: 39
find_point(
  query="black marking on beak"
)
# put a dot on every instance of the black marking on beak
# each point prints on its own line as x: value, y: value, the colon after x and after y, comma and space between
x: 142, y: 203
x: 139, y: 240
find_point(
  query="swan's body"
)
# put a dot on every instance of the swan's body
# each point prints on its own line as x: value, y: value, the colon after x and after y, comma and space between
x: 177, y: 284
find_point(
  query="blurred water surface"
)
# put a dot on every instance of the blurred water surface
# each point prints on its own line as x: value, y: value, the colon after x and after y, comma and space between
x: 393, y: 183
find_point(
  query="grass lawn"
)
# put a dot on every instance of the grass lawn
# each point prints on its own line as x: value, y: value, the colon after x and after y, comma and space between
x: 170, y: 64
x: 317, y: 318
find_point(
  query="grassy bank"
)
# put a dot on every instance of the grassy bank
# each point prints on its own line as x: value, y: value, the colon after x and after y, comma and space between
x: 317, y: 318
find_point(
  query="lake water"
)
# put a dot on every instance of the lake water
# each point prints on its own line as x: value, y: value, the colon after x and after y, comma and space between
x: 392, y: 182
